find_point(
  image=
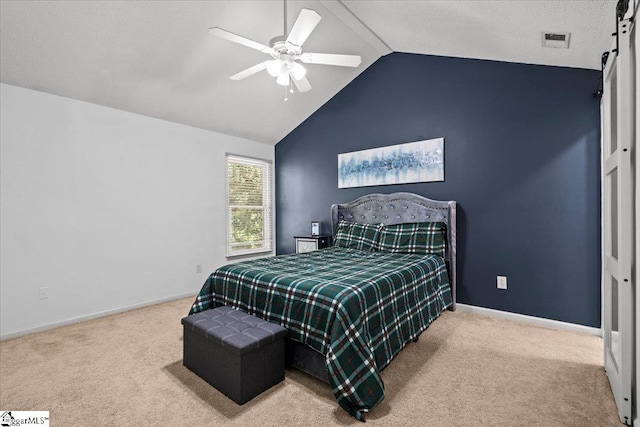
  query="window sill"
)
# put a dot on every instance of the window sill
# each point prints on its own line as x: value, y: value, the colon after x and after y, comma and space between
x: 249, y: 254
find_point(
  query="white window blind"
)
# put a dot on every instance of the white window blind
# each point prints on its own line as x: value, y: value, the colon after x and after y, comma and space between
x: 249, y: 205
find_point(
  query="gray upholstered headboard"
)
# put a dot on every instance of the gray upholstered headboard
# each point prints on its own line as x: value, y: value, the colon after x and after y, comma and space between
x: 397, y: 208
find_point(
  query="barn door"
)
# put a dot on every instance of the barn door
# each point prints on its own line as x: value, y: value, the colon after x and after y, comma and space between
x: 617, y: 143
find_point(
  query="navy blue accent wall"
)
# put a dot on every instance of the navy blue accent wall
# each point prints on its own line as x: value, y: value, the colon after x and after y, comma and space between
x: 522, y: 159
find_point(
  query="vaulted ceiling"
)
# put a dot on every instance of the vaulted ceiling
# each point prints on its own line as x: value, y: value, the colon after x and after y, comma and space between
x: 157, y: 58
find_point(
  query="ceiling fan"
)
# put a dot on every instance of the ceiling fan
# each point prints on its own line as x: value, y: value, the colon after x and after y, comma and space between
x: 285, y: 53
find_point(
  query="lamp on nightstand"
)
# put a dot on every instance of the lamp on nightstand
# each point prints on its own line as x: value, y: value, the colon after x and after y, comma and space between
x: 315, y: 228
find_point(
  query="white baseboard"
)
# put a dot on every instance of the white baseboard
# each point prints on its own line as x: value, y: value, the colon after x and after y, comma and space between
x: 538, y: 321
x: 94, y: 316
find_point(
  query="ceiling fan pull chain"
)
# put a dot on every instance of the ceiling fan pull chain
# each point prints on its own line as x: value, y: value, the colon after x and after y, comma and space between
x: 286, y: 96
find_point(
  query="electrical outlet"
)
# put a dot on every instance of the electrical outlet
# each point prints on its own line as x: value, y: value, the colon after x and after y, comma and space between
x: 43, y: 292
x: 502, y: 282
x: 198, y: 268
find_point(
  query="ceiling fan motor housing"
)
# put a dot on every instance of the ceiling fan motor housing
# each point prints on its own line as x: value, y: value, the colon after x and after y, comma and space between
x: 281, y: 48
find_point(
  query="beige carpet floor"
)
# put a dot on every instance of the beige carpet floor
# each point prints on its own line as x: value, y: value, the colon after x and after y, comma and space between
x: 466, y: 370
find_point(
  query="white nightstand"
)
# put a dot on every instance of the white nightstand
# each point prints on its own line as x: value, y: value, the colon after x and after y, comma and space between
x: 310, y: 243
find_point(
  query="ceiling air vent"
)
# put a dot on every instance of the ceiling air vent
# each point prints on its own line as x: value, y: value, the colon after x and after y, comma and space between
x: 560, y: 40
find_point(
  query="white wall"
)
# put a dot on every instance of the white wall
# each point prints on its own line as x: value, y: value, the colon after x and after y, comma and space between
x: 106, y: 208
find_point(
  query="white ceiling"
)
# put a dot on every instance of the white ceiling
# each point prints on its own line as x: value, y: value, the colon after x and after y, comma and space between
x: 156, y: 58
x: 507, y: 30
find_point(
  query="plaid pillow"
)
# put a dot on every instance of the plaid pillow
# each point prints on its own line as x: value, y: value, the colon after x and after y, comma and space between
x: 414, y: 238
x: 357, y: 236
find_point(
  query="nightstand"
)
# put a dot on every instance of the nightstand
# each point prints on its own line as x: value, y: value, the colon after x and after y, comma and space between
x: 311, y: 243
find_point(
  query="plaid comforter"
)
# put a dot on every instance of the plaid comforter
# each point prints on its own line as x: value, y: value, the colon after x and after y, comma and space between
x: 358, y: 308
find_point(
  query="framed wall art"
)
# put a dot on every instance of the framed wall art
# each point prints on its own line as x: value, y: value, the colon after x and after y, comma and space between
x: 420, y: 161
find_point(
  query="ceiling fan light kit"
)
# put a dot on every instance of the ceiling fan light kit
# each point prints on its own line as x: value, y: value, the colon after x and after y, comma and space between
x: 274, y: 67
x: 283, y: 78
x: 285, y: 53
x: 296, y: 70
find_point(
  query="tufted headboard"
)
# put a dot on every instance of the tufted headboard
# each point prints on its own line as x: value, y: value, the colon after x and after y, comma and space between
x: 397, y: 208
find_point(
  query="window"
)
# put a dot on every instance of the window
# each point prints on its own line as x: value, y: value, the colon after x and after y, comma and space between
x: 248, y: 202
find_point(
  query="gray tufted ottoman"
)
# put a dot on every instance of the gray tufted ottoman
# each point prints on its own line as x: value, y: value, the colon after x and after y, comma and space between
x: 235, y: 352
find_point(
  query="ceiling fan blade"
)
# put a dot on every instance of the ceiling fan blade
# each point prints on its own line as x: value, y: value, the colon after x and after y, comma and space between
x: 304, y: 25
x: 331, y: 59
x: 219, y: 32
x: 302, y: 85
x: 250, y: 71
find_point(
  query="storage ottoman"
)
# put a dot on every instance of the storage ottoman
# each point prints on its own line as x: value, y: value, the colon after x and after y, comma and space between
x: 237, y: 353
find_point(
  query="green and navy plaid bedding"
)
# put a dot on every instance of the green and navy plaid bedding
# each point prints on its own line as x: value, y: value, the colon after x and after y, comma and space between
x: 357, y: 236
x: 358, y: 308
x: 414, y: 238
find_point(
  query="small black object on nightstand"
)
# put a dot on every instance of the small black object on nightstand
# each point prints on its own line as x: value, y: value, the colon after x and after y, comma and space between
x: 311, y: 243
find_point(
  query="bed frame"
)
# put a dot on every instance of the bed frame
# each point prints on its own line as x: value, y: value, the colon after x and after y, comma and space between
x: 389, y: 209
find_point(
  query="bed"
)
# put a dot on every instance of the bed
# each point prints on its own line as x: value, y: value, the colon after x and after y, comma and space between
x: 350, y: 308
